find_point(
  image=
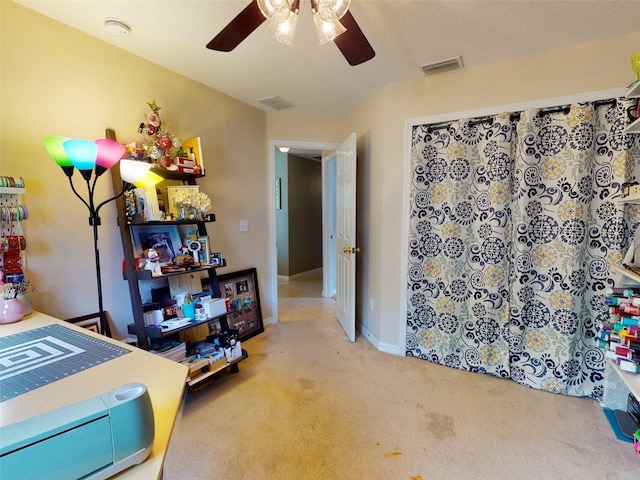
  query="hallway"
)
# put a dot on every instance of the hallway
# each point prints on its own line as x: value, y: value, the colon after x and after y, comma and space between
x: 301, y: 299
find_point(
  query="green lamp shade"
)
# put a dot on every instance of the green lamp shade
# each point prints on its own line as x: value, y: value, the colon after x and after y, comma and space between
x: 82, y: 153
x: 57, y: 151
x: 131, y: 170
x: 109, y: 152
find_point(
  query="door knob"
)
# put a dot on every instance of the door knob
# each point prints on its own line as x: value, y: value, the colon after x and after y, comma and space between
x: 351, y: 249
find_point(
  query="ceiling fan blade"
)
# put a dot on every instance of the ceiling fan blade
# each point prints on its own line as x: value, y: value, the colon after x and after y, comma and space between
x: 238, y: 29
x: 353, y: 44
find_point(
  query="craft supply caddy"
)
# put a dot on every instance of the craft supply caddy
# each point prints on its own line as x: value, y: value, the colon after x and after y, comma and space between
x: 12, y: 239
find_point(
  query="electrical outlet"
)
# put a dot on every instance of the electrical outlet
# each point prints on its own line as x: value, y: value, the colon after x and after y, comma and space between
x: 371, y: 304
x: 244, y: 225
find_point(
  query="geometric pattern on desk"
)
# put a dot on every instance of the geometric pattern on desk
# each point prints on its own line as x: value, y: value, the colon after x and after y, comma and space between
x: 32, y: 359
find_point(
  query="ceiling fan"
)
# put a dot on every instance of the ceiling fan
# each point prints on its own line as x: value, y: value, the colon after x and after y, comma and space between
x: 332, y: 18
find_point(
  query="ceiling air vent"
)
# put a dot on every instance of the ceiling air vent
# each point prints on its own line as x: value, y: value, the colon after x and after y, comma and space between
x: 443, y: 66
x: 276, y: 103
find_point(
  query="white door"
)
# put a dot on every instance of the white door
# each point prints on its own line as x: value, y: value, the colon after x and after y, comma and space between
x: 346, y: 236
x: 329, y: 225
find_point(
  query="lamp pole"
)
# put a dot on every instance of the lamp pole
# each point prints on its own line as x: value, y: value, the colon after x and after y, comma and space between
x: 95, y: 222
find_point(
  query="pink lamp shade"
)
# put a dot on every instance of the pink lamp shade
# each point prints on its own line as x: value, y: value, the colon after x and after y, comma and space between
x: 82, y: 153
x: 57, y: 151
x: 109, y: 152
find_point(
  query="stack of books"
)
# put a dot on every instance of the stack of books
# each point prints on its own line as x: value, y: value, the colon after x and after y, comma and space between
x: 170, y: 349
x: 620, y: 336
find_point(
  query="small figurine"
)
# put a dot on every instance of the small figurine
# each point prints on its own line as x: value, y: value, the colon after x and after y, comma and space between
x: 184, y: 261
x: 152, y: 257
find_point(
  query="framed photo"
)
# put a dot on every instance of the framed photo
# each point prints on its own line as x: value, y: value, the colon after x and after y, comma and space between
x: 242, y: 290
x: 216, y: 259
x: 278, y: 193
x: 205, y: 252
x: 164, y: 238
x: 90, y: 322
x: 174, y: 191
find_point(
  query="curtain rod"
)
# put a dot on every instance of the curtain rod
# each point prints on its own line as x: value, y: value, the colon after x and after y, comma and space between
x: 515, y: 116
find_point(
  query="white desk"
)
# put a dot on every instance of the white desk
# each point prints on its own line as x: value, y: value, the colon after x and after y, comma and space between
x: 165, y: 381
x: 617, y: 386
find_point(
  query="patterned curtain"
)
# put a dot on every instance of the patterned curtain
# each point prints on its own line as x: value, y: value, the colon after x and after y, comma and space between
x: 512, y: 226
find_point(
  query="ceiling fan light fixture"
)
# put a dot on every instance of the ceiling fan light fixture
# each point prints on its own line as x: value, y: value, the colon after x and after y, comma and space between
x: 284, y: 31
x: 326, y: 14
x: 327, y: 30
x: 337, y: 20
x: 270, y: 7
x: 328, y: 9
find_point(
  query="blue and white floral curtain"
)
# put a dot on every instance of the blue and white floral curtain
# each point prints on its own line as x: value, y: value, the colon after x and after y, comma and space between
x: 513, y: 225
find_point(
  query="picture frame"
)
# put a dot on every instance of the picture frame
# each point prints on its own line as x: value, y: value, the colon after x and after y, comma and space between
x: 90, y: 322
x: 278, y: 193
x: 216, y: 259
x: 164, y: 238
x: 193, y: 145
x: 241, y: 288
x: 172, y: 193
x: 205, y: 251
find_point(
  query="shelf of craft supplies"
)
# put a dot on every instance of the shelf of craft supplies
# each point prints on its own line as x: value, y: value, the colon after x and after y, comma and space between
x: 175, y: 174
x: 626, y: 272
x: 156, y: 331
x: 211, y: 217
x: 13, y: 190
x: 200, y: 380
x: 147, y: 275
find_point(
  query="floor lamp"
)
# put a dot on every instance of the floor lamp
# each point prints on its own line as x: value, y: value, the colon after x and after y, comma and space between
x: 92, y: 159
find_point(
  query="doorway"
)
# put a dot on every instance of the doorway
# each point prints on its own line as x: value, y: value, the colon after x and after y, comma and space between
x: 310, y: 293
x: 300, y: 299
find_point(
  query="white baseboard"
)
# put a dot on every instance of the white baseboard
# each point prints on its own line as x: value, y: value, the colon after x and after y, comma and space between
x: 381, y: 346
x: 287, y: 278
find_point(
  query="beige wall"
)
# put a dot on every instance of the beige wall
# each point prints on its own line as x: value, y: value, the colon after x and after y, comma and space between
x: 59, y: 81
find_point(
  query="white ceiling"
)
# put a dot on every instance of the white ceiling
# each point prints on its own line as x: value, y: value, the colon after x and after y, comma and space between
x: 317, y: 79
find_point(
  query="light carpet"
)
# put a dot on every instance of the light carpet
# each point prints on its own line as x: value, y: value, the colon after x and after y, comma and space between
x: 307, y: 404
